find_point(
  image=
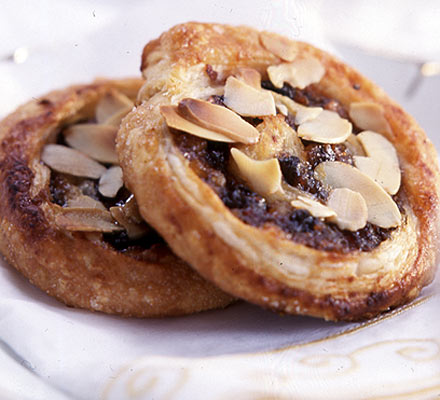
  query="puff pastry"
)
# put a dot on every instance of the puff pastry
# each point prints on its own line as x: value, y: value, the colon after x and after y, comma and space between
x: 320, y: 199
x: 57, y: 229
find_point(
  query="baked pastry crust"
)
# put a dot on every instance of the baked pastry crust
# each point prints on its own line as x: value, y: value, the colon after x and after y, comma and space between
x: 79, y: 270
x: 259, y: 264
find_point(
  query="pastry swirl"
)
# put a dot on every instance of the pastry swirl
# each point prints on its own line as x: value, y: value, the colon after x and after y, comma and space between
x: 65, y: 232
x: 205, y: 198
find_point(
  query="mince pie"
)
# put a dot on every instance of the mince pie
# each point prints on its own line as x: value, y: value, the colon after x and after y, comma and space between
x: 281, y: 174
x: 67, y: 221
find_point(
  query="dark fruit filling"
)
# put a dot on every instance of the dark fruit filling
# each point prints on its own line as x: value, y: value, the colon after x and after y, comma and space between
x: 308, y: 97
x: 210, y: 160
x: 300, y: 174
x: 61, y: 186
x: 121, y: 242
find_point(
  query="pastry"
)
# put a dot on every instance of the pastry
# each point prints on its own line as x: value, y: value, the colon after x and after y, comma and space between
x: 281, y: 174
x: 67, y: 222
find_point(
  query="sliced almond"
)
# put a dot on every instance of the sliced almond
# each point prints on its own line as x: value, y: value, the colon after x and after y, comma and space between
x: 116, y: 118
x: 97, y: 141
x: 282, y: 109
x: 110, y: 104
x: 367, y: 165
x: 176, y: 121
x: 262, y: 176
x: 377, y: 146
x: 134, y: 230
x: 369, y: 116
x: 299, y: 73
x: 86, y: 220
x: 70, y: 161
x: 382, y: 210
x: 350, y: 207
x: 83, y: 201
x: 327, y: 127
x: 246, y: 100
x: 131, y: 210
x: 306, y: 114
x: 128, y: 216
x: 218, y: 119
x: 381, y: 172
x: 111, y: 181
x: 314, y: 207
x: 279, y: 45
x: 250, y: 76
x: 302, y: 113
x: 382, y: 151
x: 352, y: 143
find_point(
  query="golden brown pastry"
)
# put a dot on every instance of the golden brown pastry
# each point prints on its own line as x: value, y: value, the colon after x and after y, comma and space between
x: 67, y: 222
x: 281, y: 174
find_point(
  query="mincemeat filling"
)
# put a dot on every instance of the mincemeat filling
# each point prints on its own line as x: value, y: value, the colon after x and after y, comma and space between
x: 60, y: 185
x: 63, y: 184
x: 210, y: 161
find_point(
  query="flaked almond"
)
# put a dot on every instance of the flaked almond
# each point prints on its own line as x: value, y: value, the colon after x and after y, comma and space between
x: 176, y: 121
x: 111, y: 181
x: 306, y: 114
x: 369, y: 116
x: 279, y: 45
x: 327, y: 127
x: 350, y: 207
x: 70, y: 161
x: 218, y: 119
x: 133, y: 229
x: 302, y: 113
x: 116, y: 118
x: 262, y: 176
x: 282, y: 109
x: 83, y: 201
x: 299, y: 73
x: 97, y: 141
x: 382, y: 210
x: 110, y: 104
x: 354, y: 145
x: 314, y: 207
x: 86, y: 220
x: 128, y: 216
x: 382, y: 151
x: 246, y: 100
x: 377, y: 146
x: 250, y: 76
x: 131, y: 210
x: 367, y: 165
x: 381, y: 172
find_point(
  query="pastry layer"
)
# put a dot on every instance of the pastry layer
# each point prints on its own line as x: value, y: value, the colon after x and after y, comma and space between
x: 78, y: 266
x: 260, y: 263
